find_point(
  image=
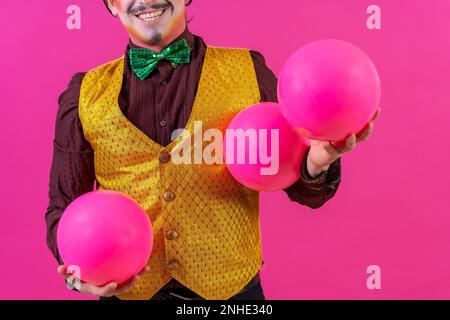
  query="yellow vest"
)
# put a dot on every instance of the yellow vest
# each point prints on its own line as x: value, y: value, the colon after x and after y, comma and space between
x: 206, y: 225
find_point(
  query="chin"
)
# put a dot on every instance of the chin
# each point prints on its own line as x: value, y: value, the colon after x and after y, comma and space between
x: 150, y: 37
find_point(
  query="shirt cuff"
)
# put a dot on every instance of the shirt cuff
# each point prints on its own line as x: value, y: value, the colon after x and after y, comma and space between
x: 327, y: 179
x: 318, y: 182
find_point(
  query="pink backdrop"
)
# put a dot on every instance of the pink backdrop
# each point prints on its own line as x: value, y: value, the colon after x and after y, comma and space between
x: 392, y: 206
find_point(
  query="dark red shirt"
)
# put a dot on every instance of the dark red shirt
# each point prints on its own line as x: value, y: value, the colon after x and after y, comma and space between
x: 157, y: 105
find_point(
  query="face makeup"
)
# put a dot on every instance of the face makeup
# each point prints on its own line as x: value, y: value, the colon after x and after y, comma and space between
x: 152, y: 23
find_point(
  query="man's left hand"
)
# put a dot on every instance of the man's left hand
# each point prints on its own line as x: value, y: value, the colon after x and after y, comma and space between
x: 323, y: 153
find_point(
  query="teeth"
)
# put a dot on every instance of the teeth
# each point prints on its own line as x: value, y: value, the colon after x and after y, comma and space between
x: 150, y: 15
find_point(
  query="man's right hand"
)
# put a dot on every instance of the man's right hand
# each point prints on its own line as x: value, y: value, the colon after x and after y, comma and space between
x: 108, y: 290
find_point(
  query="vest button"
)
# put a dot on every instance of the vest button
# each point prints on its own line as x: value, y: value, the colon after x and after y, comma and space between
x: 171, y: 234
x: 173, y: 265
x: 164, y: 157
x: 169, y: 196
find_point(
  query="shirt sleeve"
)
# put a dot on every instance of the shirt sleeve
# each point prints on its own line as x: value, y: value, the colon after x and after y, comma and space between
x: 72, y: 169
x: 308, y: 191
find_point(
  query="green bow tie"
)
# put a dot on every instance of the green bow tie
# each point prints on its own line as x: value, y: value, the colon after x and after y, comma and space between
x: 144, y: 61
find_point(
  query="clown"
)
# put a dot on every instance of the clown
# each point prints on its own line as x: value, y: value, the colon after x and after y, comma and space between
x: 114, y: 128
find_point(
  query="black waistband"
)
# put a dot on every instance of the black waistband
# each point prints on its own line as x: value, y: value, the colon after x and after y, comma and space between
x: 187, y: 294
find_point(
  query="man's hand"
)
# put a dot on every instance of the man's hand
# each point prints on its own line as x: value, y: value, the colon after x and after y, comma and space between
x: 108, y: 290
x: 323, y: 153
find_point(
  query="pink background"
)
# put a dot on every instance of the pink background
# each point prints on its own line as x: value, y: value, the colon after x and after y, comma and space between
x: 392, y: 206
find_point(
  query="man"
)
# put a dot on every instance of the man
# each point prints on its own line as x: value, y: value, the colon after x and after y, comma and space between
x: 114, y: 128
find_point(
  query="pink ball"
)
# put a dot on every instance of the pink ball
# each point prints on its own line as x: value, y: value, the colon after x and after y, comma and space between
x: 289, y: 149
x: 107, y: 235
x: 329, y: 89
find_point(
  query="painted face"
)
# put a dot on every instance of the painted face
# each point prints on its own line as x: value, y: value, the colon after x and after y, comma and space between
x: 151, y: 22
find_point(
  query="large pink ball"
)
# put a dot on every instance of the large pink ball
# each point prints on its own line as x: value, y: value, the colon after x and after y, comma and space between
x: 289, y: 152
x: 107, y: 235
x: 329, y: 89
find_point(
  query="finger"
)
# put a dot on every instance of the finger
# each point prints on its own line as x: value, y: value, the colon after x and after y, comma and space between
x: 314, y: 142
x: 146, y: 269
x: 105, y: 291
x: 90, y: 289
x: 132, y: 282
x: 339, y: 144
x: 377, y: 115
x: 365, y: 134
x: 350, y: 143
x: 128, y: 287
x: 65, y: 272
x: 332, y: 149
x: 62, y: 270
x: 344, y: 146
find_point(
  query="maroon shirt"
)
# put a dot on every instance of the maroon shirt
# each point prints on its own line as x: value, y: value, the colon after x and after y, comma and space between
x: 157, y: 105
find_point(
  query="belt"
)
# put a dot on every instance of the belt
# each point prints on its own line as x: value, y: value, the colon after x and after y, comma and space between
x: 187, y: 294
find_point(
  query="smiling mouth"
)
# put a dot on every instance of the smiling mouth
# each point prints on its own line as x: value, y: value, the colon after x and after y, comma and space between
x: 150, y: 15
